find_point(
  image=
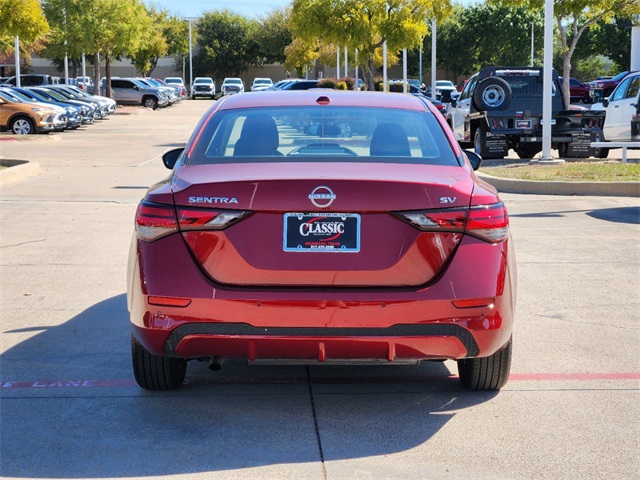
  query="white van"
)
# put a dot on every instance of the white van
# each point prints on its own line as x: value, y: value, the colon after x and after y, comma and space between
x: 622, y: 109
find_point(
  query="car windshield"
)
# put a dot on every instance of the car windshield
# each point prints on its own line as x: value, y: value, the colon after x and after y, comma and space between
x: 311, y: 134
x: 620, y: 76
x: 233, y: 81
x: 203, y: 80
x: 10, y: 96
x: 444, y: 83
x: 258, y: 81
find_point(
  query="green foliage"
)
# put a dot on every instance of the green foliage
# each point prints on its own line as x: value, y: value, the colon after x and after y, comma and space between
x: 328, y: 83
x: 226, y: 45
x: 365, y: 25
x: 273, y: 36
x: 153, y: 43
x: 574, y: 17
x: 591, y: 68
x: 613, y: 39
x: 505, y: 34
x: 22, y: 18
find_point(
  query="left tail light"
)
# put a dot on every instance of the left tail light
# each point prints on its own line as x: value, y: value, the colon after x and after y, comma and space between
x: 154, y: 221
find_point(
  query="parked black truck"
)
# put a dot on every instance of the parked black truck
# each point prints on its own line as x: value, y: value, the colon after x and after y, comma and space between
x: 500, y: 109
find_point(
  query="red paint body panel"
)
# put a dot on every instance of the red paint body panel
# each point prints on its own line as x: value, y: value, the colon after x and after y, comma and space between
x: 247, y: 296
x: 468, y: 276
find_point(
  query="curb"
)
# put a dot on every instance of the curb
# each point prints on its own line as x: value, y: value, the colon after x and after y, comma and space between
x: 19, y: 170
x: 610, y: 189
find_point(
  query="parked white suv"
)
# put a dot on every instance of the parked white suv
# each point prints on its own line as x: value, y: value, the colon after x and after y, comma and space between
x: 261, y: 83
x: 203, y: 87
x: 232, y: 85
x: 622, y: 107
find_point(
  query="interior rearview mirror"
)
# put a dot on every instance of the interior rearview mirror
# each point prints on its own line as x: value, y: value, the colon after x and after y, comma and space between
x: 171, y: 157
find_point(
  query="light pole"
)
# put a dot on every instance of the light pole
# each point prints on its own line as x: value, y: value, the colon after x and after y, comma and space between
x: 404, y: 70
x: 433, y: 58
x: 190, y: 58
x: 532, y: 44
x: 17, y: 58
x: 384, y: 67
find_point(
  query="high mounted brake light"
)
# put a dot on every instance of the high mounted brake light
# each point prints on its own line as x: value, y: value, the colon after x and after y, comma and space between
x: 486, y: 222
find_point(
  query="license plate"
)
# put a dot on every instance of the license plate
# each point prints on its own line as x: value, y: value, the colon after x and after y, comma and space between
x: 321, y: 232
x: 526, y: 124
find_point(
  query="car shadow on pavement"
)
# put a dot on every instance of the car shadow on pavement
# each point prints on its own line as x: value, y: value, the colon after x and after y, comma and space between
x: 628, y: 214
x: 71, y: 409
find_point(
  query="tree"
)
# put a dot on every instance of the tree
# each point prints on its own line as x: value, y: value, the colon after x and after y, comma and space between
x: 227, y: 45
x: 365, y: 25
x: 102, y: 27
x: 153, y: 43
x: 24, y: 19
x: 613, y: 39
x: 273, y: 35
x: 574, y: 17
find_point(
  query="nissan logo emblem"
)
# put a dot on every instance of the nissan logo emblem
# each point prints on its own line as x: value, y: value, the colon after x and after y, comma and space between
x: 322, y: 196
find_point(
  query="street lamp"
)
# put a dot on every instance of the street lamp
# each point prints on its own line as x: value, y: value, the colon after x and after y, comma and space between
x: 190, y: 60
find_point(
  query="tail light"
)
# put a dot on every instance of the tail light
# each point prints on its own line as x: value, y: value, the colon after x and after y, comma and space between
x: 154, y: 221
x: 486, y: 222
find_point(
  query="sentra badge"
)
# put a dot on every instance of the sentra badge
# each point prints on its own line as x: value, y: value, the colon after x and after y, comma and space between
x: 322, y: 196
x: 212, y: 200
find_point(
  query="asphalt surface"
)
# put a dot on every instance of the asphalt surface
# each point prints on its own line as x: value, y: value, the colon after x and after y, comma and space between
x: 69, y: 407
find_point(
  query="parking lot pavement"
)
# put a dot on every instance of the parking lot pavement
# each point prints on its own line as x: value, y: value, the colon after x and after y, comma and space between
x: 70, y: 408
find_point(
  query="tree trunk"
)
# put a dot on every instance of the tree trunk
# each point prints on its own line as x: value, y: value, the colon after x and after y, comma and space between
x: 369, y: 74
x: 107, y: 73
x: 96, y: 74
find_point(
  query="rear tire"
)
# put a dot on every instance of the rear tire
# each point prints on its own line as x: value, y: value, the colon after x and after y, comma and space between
x: 156, y: 373
x: 527, y: 151
x: 480, y: 144
x: 486, y: 373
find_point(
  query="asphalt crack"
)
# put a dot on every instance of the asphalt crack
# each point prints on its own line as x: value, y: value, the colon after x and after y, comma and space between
x: 315, y: 424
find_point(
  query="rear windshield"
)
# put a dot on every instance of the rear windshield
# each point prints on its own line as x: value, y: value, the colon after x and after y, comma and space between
x: 524, y: 83
x: 311, y: 134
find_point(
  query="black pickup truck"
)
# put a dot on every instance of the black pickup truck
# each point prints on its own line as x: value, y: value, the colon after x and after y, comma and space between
x: 500, y: 109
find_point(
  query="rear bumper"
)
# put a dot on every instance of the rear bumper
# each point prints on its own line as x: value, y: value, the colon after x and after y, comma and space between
x: 329, y: 325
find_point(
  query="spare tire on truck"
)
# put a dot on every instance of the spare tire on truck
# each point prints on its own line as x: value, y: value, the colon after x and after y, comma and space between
x: 492, y: 93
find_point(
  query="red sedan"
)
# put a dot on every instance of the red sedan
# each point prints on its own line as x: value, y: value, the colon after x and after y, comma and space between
x: 276, y: 239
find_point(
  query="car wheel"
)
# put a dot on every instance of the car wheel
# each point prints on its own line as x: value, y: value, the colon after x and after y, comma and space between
x: 345, y: 130
x: 22, y: 126
x: 150, y: 102
x: 480, y: 144
x: 492, y: 93
x: 486, y: 373
x: 601, y: 153
x: 527, y: 151
x: 156, y: 373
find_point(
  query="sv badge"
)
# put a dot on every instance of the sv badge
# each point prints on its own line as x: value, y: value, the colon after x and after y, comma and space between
x: 448, y: 199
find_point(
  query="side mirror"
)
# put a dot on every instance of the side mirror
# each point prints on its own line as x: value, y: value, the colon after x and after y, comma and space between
x: 605, y: 102
x: 171, y: 157
x: 474, y: 159
x: 454, y: 102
